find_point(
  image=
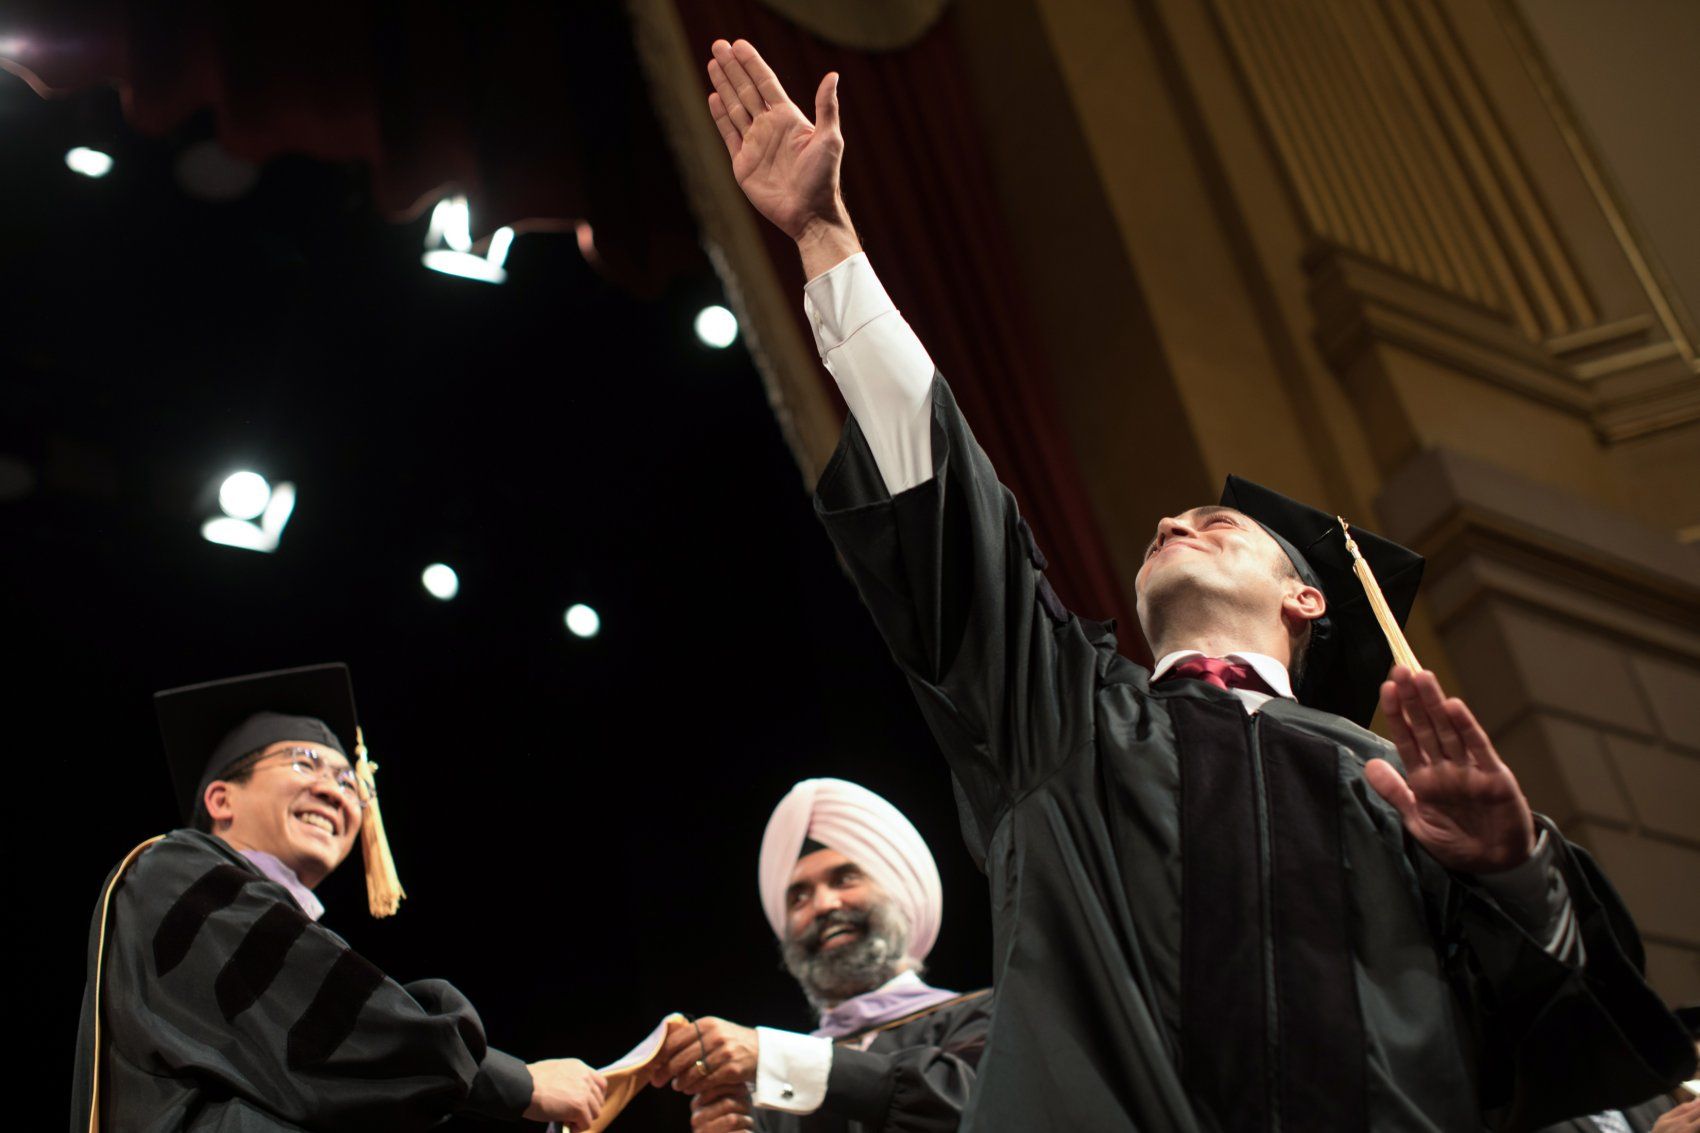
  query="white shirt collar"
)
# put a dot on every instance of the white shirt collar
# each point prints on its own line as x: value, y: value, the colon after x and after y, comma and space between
x: 902, y: 979
x: 1274, y: 673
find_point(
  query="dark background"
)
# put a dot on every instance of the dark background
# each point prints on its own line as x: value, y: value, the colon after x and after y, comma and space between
x: 576, y: 822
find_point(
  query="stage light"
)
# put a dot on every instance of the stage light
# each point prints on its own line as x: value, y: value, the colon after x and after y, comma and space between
x: 88, y: 162
x: 278, y: 510
x: 717, y: 327
x: 230, y: 532
x: 244, y: 495
x: 11, y: 46
x: 441, y: 580
x: 582, y: 621
x: 451, y: 224
x: 448, y: 244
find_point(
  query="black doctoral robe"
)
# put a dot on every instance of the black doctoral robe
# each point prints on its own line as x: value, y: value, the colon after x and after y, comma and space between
x: 1639, y: 1118
x: 915, y: 1076
x: 225, y: 1008
x: 1204, y: 919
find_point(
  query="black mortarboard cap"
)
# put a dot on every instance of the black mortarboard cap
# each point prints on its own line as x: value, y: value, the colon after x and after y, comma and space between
x: 1349, y: 655
x: 207, y: 727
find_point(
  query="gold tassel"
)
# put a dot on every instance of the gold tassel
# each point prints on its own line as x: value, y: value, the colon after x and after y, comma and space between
x: 1402, y: 654
x: 383, y: 887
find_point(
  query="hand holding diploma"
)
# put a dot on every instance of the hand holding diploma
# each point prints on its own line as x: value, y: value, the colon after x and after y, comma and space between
x: 710, y: 1055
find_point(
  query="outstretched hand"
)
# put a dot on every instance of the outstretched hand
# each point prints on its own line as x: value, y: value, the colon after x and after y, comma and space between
x: 566, y: 1090
x: 1457, y: 797
x: 786, y: 165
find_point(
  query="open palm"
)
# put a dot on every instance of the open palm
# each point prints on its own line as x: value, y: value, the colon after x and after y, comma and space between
x: 1457, y: 798
x: 786, y: 165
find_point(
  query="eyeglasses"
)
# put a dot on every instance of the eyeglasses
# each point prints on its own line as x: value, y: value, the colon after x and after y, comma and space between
x: 309, y: 764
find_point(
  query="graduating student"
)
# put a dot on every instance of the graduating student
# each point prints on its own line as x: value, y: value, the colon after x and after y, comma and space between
x: 1219, y: 901
x: 216, y: 1000
x: 852, y: 893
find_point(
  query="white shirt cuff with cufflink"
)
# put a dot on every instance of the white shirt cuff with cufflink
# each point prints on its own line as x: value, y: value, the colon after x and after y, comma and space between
x: 791, y: 1070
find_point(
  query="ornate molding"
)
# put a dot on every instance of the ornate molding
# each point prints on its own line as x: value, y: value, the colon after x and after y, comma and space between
x: 1487, y: 531
x: 1623, y: 378
x: 1430, y: 232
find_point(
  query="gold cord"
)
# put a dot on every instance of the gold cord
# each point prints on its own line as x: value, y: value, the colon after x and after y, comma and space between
x: 99, y: 964
x: 1402, y: 654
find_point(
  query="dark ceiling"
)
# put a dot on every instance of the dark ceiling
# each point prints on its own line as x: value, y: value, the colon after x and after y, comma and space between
x: 576, y: 822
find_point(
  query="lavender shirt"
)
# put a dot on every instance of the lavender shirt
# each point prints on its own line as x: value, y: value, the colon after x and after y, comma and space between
x: 269, y: 865
x: 902, y: 996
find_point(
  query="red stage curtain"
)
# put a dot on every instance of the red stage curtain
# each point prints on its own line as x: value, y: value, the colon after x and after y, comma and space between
x: 918, y: 183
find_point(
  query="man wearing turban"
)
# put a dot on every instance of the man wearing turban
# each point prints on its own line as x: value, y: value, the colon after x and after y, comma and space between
x: 852, y: 893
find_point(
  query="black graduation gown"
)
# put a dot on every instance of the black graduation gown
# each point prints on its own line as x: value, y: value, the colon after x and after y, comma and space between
x: 1640, y: 1118
x: 1204, y: 919
x: 914, y: 1077
x: 225, y: 1008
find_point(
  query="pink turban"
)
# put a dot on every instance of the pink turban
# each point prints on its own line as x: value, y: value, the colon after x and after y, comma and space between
x: 870, y: 832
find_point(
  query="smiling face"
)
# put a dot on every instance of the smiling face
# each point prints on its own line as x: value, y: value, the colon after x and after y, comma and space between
x: 1210, y: 541
x: 843, y: 933
x: 1219, y: 555
x: 292, y: 807
x: 822, y: 884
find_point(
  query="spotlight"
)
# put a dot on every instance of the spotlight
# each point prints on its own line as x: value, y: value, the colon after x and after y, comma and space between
x: 229, y: 532
x: 582, y: 621
x: 441, y: 580
x: 88, y: 162
x: 717, y: 327
x: 244, y: 495
x: 448, y: 244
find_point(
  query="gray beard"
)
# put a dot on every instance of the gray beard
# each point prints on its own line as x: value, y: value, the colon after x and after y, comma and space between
x: 873, y: 959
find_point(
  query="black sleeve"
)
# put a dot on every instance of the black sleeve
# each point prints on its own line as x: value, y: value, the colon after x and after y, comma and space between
x: 1557, y: 1040
x: 921, y: 1088
x: 231, y: 986
x: 955, y: 583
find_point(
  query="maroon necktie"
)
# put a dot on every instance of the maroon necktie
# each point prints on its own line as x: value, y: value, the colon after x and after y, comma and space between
x: 1222, y: 673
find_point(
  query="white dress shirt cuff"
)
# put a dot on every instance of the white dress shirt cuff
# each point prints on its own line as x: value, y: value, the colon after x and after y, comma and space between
x: 883, y: 371
x: 1535, y: 896
x: 791, y: 1070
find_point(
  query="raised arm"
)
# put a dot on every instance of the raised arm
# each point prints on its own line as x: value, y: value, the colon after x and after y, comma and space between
x: 788, y: 167
x: 934, y: 541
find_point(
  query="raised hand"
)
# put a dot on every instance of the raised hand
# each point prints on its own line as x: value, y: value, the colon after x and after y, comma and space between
x: 712, y: 1055
x: 567, y: 1091
x: 786, y: 165
x: 1458, y: 798
x: 724, y: 1111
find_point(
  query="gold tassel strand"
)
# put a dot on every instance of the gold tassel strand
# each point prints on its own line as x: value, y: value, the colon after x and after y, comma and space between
x: 383, y: 887
x: 1402, y: 654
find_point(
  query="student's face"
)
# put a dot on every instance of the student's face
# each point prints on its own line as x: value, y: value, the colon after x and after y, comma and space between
x: 297, y: 805
x: 1214, y: 550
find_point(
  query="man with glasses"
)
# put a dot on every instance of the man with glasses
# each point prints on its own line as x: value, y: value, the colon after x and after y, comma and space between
x: 216, y: 1000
